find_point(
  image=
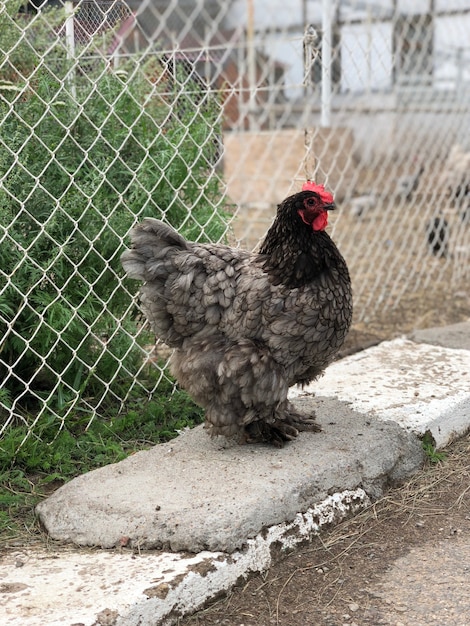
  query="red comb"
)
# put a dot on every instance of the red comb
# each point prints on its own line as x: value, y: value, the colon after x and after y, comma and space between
x: 326, y: 196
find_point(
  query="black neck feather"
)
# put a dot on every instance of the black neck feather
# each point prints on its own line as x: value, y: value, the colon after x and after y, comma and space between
x: 294, y: 255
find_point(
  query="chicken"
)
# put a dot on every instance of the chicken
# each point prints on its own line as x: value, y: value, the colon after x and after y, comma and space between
x: 437, y: 231
x: 247, y: 326
x: 408, y: 184
x: 457, y: 177
x: 362, y: 205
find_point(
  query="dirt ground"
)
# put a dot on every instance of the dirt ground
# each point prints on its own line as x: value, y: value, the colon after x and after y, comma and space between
x: 358, y: 573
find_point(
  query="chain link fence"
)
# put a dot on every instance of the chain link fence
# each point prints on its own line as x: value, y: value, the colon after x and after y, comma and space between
x: 207, y: 114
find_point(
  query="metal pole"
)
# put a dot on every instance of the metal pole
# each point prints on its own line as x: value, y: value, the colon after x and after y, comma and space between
x: 310, y: 54
x: 327, y: 28
x: 251, y: 63
x: 70, y: 45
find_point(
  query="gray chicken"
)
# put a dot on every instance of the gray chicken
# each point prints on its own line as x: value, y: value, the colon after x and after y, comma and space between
x: 247, y: 326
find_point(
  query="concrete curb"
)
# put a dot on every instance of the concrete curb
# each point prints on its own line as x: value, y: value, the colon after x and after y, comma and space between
x: 419, y: 386
x: 109, y: 588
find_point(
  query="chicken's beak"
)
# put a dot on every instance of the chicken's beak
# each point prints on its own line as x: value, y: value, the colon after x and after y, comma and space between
x: 329, y: 207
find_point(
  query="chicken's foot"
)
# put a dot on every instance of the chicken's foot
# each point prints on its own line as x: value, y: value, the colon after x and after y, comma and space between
x: 278, y: 431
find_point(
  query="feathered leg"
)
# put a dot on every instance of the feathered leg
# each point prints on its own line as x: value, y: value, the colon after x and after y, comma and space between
x: 284, y: 426
x: 242, y: 388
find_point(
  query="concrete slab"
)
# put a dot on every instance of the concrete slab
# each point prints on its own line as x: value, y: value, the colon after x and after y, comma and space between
x: 421, y: 387
x: 253, y: 501
x: 453, y: 336
x: 198, y: 493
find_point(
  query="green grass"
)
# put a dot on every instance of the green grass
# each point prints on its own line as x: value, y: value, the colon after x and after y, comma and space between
x: 429, y: 446
x: 51, y: 456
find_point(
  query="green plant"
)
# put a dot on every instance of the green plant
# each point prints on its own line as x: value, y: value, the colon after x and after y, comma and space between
x: 429, y: 446
x: 23, y: 41
x: 82, y: 156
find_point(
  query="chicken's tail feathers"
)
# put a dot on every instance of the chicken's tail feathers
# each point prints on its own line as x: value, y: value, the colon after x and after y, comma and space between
x: 151, y: 227
x: 151, y: 241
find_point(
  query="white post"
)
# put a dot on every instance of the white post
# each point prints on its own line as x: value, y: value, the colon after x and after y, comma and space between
x: 251, y: 63
x: 369, y: 50
x: 310, y: 55
x: 70, y: 45
x: 327, y: 28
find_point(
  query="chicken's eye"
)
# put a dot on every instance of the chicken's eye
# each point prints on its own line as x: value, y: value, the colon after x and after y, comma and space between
x: 310, y: 202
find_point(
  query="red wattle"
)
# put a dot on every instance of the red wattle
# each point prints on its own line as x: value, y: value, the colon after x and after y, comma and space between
x: 321, y: 221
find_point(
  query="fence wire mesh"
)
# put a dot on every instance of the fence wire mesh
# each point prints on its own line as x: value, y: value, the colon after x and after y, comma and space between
x: 207, y: 113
